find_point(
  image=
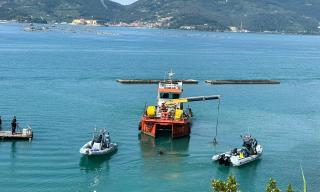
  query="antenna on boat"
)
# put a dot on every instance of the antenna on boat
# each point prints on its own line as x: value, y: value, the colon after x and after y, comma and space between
x: 94, y: 131
x: 171, y: 74
x: 217, y: 124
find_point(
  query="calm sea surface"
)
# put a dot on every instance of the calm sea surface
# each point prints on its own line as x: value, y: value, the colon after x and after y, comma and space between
x: 63, y: 84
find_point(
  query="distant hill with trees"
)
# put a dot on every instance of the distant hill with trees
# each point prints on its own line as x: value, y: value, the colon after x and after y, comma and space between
x: 290, y: 16
x: 58, y: 10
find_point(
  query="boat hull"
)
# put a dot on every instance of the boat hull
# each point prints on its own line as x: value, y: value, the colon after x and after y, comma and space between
x: 85, y: 150
x: 160, y: 127
x: 234, y: 160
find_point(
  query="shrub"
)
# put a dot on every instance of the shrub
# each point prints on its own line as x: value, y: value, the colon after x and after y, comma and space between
x: 230, y: 185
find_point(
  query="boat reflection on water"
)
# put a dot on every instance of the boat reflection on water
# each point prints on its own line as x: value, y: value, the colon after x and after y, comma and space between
x: 162, y: 157
x: 92, y: 163
x: 163, y: 146
x: 13, y: 150
x: 95, y: 167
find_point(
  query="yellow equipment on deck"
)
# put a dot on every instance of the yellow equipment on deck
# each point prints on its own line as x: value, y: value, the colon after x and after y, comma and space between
x: 191, y: 99
x: 178, y: 114
x: 176, y: 101
x: 151, y: 111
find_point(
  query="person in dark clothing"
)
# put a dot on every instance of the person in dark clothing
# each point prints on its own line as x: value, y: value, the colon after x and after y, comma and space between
x: 13, y: 125
x: 0, y: 121
x: 107, y: 137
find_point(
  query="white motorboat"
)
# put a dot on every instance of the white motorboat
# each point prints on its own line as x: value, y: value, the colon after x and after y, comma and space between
x: 249, y: 152
x: 100, y: 145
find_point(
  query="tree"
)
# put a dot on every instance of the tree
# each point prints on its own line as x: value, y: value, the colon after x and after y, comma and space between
x: 272, y: 186
x: 230, y: 185
x: 290, y: 189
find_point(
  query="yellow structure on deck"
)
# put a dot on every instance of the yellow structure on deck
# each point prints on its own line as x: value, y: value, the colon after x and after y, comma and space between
x: 176, y: 101
x: 178, y: 114
x: 151, y: 111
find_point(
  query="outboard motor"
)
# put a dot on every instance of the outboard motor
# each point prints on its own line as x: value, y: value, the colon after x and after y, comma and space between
x: 234, y: 151
x: 224, y: 160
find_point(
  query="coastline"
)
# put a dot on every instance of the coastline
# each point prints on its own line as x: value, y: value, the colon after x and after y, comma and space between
x: 125, y: 25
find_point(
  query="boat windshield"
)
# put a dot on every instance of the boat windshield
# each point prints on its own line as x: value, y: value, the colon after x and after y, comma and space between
x: 169, y: 95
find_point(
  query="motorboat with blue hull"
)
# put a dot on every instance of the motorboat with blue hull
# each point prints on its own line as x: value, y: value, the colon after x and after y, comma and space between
x: 100, y: 145
x: 250, y: 151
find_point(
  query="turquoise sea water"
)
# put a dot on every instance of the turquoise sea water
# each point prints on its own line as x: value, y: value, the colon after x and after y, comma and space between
x: 63, y: 85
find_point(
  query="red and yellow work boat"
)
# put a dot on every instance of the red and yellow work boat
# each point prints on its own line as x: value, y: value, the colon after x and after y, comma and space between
x: 169, y: 117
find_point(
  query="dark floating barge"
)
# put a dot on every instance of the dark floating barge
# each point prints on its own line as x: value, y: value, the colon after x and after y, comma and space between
x: 192, y: 81
x: 221, y: 82
x: 154, y: 81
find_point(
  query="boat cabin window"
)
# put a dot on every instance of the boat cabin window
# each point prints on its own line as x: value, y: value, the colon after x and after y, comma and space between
x: 175, y: 96
x: 164, y: 95
x: 169, y: 95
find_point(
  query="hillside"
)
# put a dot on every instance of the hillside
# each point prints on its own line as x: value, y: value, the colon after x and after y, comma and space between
x: 255, y: 15
x: 292, y: 16
x: 59, y: 10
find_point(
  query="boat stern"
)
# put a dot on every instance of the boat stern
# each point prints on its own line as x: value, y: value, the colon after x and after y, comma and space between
x: 160, y: 127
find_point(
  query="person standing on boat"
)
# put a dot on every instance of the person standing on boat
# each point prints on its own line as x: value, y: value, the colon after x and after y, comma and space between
x: 0, y: 121
x: 108, y: 140
x: 13, y: 125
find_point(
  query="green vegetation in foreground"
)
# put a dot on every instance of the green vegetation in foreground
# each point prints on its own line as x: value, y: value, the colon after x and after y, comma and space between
x: 231, y: 185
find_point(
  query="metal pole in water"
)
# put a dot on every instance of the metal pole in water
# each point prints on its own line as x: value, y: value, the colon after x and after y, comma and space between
x: 215, y: 142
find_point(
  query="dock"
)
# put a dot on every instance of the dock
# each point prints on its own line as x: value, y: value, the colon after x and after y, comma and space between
x: 26, y: 134
x: 154, y: 81
x: 262, y: 81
